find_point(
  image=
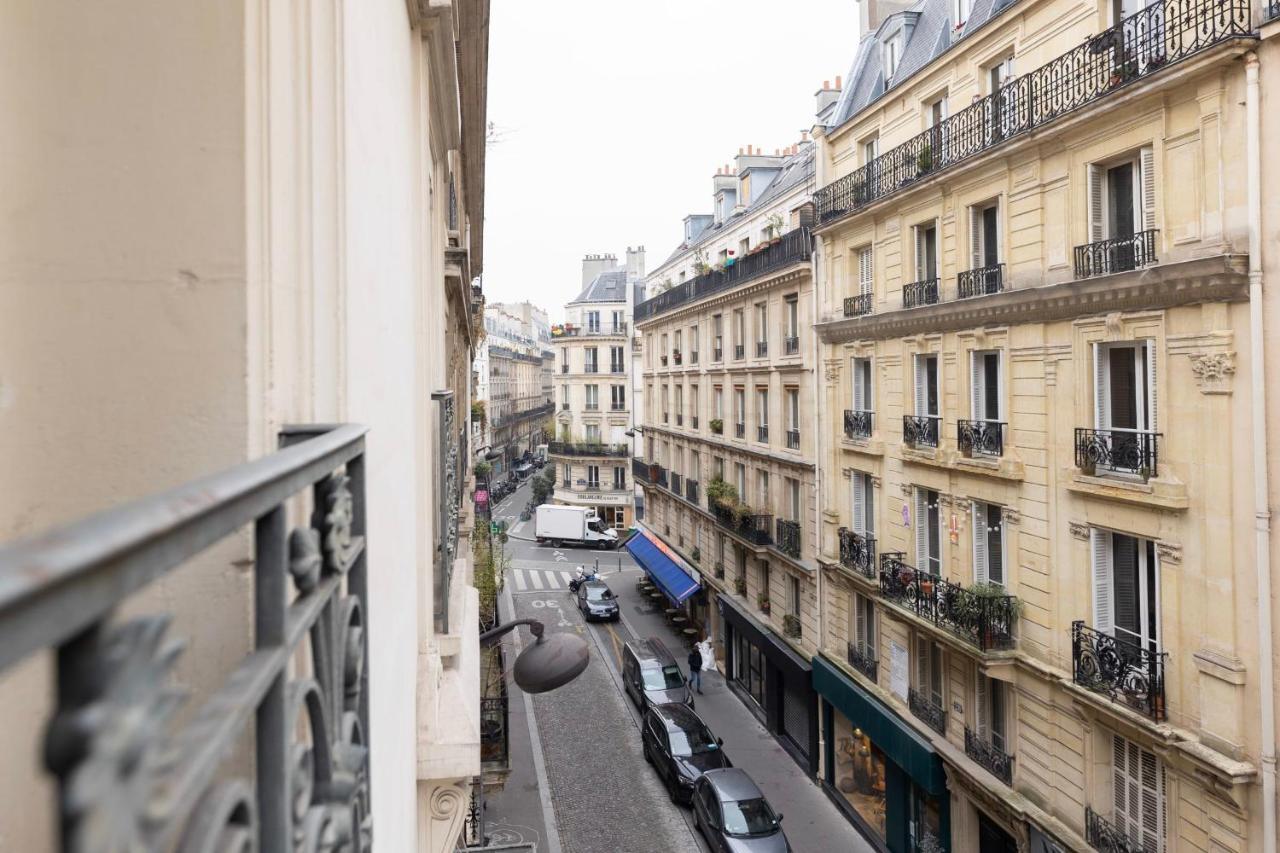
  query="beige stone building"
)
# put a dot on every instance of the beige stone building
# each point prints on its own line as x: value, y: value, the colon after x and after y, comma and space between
x: 1036, y: 244
x: 513, y: 380
x: 728, y: 434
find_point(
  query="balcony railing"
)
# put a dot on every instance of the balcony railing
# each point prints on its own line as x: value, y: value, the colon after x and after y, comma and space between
x: 739, y: 351
x: 791, y: 626
x: 933, y: 714
x: 1104, y: 836
x: 1125, y: 451
x: 858, y: 552
x: 791, y: 345
x: 617, y: 367
x: 677, y: 483
x: 793, y: 439
x: 920, y: 430
x: 980, y: 618
x: 693, y: 357
x: 587, y: 448
x: 762, y: 433
x: 858, y: 423
x: 663, y: 359
x: 640, y: 470
x: 756, y: 529
x: 657, y: 475
x: 740, y: 430
x: 535, y: 412
x: 1136, y: 47
x: 864, y: 661
x: 677, y: 357
x: 998, y: 762
x: 564, y: 368
x: 1121, y: 254
x: 923, y: 292
x: 762, y: 349
x: 691, y: 491
x: 134, y: 772
x: 693, y: 421
x: 980, y: 438
x: 571, y: 331
x: 794, y: 248
x: 679, y: 419
x: 980, y: 281
x: 788, y: 537
x: 591, y: 367
x: 617, y: 406
x: 857, y: 306
x: 1121, y: 669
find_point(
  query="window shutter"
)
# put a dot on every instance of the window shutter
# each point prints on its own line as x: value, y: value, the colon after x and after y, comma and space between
x: 865, y: 271
x: 978, y: 373
x: 984, y: 705
x: 1096, y: 226
x: 1147, y: 182
x: 1153, y: 801
x: 922, y: 665
x: 859, y: 524
x: 855, y: 367
x: 1100, y: 542
x: 919, y: 236
x: 975, y: 238
x: 860, y: 622
x: 1150, y: 358
x: 868, y: 506
x: 921, y: 385
x: 979, y: 543
x: 1101, y: 401
x: 1138, y: 794
x: 922, y: 530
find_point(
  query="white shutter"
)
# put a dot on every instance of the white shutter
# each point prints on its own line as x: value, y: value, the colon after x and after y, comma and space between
x: 859, y: 510
x: 975, y: 237
x: 980, y: 562
x: 859, y: 391
x: 860, y: 622
x: 1147, y: 181
x: 917, y: 231
x: 1101, y: 400
x: 1138, y: 794
x: 1096, y: 208
x: 1101, y: 547
x: 868, y: 506
x: 1153, y: 801
x: 979, y: 385
x: 984, y: 705
x: 921, y: 385
x: 922, y: 530
x: 922, y: 665
x: 1151, y: 385
x: 865, y: 271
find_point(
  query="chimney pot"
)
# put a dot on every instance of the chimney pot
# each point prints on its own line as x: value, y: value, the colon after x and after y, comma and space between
x: 739, y: 150
x: 826, y: 84
x: 837, y: 81
x: 804, y: 136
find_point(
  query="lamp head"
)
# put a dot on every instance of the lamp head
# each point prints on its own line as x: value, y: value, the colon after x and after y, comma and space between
x: 552, y: 661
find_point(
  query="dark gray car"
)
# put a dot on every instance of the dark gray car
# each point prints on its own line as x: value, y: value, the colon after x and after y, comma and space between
x: 651, y: 675
x: 681, y: 747
x: 596, y: 601
x: 733, y: 815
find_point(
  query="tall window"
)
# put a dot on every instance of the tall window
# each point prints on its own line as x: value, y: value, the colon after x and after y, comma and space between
x: 717, y: 399
x: 593, y: 397
x: 1138, y: 794
x: 619, y: 324
x: 717, y: 335
x: 863, y: 504
x: 960, y: 12
x: 593, y: 321
x: 564, y: 359
x: 717, y: 468
x: 762, y: 328
x: 665, y: 352
x: 1122, y: 198
x: 566, y: 475
x: 693, y: 405
x: 892, y: 54
x: 928, y: 527
x: 792, y: 322
x: 678, y: 337
x: 618, y: 399
x: 866, y: 273
x: 593, y: 476
x: 926, y: 387
x: 762, y: 489
x: 695, y: 464
x: 740, y: 479
x: 793, y: 499
x: 593, y: 433
x: 793, y: 409
x: 992, y: 711
x: 693, y: 342
x: 591, y: 356
x: 929, y: 669
x: 617, y: 363
x: 1125, y: 387
x: 762, y: 407
x: 926, y: 243
x: 861, y: 371
x: 739, y: 333
x: 666, y: 410
x: 988, y: 544
x: 679, y: 405
x: 984, y: 235
x: 619, y: 477
x: 564, y: 397
x: 985, y: 385
x: 862, y: 630
x: 1126, y: 591
x: 793, y: 595
x: 740, y: 409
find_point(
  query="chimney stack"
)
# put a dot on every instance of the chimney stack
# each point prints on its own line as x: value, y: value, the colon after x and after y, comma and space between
x: 826, y: 98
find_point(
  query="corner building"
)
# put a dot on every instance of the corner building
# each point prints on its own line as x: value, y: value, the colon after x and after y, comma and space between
x: 1041, y: 619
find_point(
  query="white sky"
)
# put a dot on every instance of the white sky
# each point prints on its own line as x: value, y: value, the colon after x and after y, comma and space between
x: 612, y: 116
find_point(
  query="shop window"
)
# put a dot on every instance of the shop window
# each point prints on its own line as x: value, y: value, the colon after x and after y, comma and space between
x: 860, y: 774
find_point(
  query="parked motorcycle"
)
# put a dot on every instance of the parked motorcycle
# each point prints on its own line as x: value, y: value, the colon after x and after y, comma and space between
x: 581, y: 575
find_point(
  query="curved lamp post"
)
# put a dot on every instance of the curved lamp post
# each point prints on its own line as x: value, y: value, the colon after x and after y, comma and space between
x: 552, y: 661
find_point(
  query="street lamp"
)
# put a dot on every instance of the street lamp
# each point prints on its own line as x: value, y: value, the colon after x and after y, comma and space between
x: 552, y: 661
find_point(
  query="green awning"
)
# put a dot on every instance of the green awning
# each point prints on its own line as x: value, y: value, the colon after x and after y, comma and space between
x: 886, y: 730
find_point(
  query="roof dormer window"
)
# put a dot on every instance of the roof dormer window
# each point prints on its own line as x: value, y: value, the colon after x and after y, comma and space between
x: 892, y: 55
x: 960, y: 12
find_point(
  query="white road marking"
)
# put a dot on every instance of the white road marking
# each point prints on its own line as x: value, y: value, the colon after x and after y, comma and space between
x: 536, y: 577
x: 519, y: 527
x: 566, y: 577
x: 521, y: 585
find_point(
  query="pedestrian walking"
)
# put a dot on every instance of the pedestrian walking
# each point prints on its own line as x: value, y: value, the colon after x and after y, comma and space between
x: 695, y: 668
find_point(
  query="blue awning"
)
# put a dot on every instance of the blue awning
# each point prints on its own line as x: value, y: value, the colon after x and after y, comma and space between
x: 662, y: 565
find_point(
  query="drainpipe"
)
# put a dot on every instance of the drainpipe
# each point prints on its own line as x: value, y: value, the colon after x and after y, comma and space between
x: 1261, y: 487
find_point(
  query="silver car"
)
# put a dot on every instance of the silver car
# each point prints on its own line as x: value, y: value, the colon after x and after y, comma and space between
x: 733, y: 815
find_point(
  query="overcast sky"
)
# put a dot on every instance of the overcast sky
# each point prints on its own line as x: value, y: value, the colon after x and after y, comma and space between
x: 611, y: 117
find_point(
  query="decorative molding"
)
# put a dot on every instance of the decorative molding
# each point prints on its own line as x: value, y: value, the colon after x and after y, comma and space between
x: 875, y: 482
x: 847, y: 472
x: 1114, y: 325
x: 1214, y: 371
x: 1169, y: 552
x: 1079, y: 530
x: 1008, y: 515
x: 944, y: 499
x: 906, y: 489
x: 832, y: 369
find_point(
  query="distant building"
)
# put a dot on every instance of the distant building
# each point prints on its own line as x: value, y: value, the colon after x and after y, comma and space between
x: 512, y: 369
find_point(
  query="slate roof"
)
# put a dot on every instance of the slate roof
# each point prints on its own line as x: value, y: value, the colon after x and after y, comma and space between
x: 609, y: 286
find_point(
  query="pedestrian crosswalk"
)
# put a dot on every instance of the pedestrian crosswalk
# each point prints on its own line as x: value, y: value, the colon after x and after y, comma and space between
x: 531, y: 579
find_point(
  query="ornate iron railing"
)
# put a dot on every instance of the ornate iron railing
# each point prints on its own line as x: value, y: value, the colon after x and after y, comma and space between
x: 657, y: 474
x: 791, y: 345
x: 537, y: 411
x: 739, y: 430
x: 858, y: 423
x: 857, y: 306
x: 602, y: 329
x: 1136, y: 47
x: 756, y: 529
x: 998, y: 762
x: 1105, y: 837
x: 717, y: 354
x: 920, y: 430
x: 762, y: 433
x: 1126, y: 451
x: 933, y: 714
x: 864, y: 661
x: 980, y: 438
x: 1123, y: 670
x: 858, y: 552
x: 1120, y: 254
x: 132, y: 772
x: 923, y: 292
x: 980, y: 281
x: 788, y: 537
x: 739, y: 351
x: 793, y: 439
x: 794, y: 248
x: 495, y: 750
x: 587, y: 448
x: 640, y: 470
x: 691, y: 491
x: 451, y: 461
x: 791, y: 626
x: 762, y: 349
x: 677, y: 483
x: 980, y: 618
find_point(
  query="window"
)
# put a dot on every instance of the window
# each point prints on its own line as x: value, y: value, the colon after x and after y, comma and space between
x: 617, y: 363
x: 665, y: 408
x: 762, y: 323
x: 1004, y: 105
x: 717, y: 334
x: 935, y: 114
x: 593, y: 433
x: 1126, y: 591
x: 593, y: 476
x: 619, y: 477
x: 564, y: 397
x: 1122, y: 200
x: 793, y: 409
x: 926, y: 242
x: 744, y: 245
x: 566, y: 476
x: 928, y: 524
x: 992, y: 710
x: 1138, y: 794
x: 960, y: 12
x: 1125, y: 393
x: 793, y: 499
x: 665, y: 352
x: 926, y: 387
x: 564, y: 360
x: 717, y: 468
x: 762, y: 575
x: 717, y: 399
x: 762, y: 490
x: 892, y: 53
x: 739, y: 333
x: 762, y: 414
x: 678, y: 337
x: 929, y: 669
x: 693, y: 343
x: 679, y: 405
x: 740, y: 411
x: 984, y: 235
x: 591, y: 357
x: 793, y: 595
x: 985, y: 389
x: 619, y: 324
x: 792, y: 321
x: 861, y: 371
x: 740, y: 479
x: 618, y: 400
x: 593, y: 321
x: 863, y: 504
x: 865, y: 276
x: 988, y: 544
x: 862, y: 630
x: 693, y: 405
x: 695, y: 464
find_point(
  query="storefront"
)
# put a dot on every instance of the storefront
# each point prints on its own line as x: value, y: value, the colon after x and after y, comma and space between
x: 886, y: 778
x: 772, y: 680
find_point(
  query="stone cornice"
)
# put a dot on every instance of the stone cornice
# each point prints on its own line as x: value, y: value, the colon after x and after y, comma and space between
x: 794, y: 272
x: 1220, y: 278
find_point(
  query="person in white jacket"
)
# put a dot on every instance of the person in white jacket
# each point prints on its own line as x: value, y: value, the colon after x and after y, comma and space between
x: 708, y: 654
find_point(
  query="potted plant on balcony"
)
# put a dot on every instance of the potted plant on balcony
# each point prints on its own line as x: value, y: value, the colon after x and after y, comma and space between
x: 717, y: 426
x: 700, y: 265
x: 924, y: 161
x: 740, y: 585
x: 970, y: 604
x: 762, y: 601
x: 791, y: 625
x: 719, y: 571
x: 773, y: 228
x: 696, y: 556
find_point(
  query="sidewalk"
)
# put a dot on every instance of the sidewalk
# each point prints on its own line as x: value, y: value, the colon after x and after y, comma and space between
x: 812, y: 821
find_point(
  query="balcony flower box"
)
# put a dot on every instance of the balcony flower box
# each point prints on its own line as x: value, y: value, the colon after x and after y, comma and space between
x: 762, y: 601
x: 717, y: 426
x: 740, y: 585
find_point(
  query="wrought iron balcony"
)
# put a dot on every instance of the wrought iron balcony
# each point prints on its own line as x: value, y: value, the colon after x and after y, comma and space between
x: 691, y: 491
x: 1123, y: 670
x: 762, y: 433
x: 657, y: 474
x: 740, y: 430
x: 756, y: 529
x: 135, y: 772
x: 677, y: 357
x: 791, y: 345
x: 617, y: 367
x: 1121, y: 254
x: 679, y: 419
x: 587, y: 448
x: 1135, y: 48
x: 739, y: 351
x: 980, y: 438
x: 791, y: 626
x: 564, y: 368
x: 978, y: 617
x: 858, y: 423
x: 864, y: 661
x: 788, y: 537
x: 980, y: 281
x: 677, y: 483
x: 663, y: 358
x: 1104, y: 836
x: 693, y: 421
x: 793, y: 439
x: 591, y: 367
x: 640, y: 470
x: 617, y: 406
x: 933, y: 714
x: 693, y: 357
x: 1124, y: 451
x: 917, y: 293
x: 569, y: 330
x: 857, y: 306
x: 920, y: 430
x: 762, y: 349
x: 858, y: 552
x: 998, y: 762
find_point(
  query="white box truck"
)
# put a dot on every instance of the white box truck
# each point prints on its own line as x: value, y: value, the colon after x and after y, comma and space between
x: 573, y: 525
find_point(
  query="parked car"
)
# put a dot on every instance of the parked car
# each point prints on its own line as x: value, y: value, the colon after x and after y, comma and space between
x: 652, y: 676
x: 597, y: 601
x: 681, y: 747
x: 734, y: 816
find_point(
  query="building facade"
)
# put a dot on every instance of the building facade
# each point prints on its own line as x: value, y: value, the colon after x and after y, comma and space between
x: 592, y: 446
x: 1035, y: 249
x: 513, y: 381
x: 728, y: 432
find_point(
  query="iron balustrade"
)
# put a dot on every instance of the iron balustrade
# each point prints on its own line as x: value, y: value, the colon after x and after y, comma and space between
x: 791, y: 626
x: 793, y: 439
x: 664, y: 360
x: 495, y: 744
x: 676, y: 484
x: 679, y: 419
x: 1105, y: 837
x: 858, y: 423
x: 1136, y: 47
x: 787, y: 538
x: 762, y: 349
x: 924, y: 292
x: 1120, y: 450
x: 762, y: 434
x: 693, y: 421
x: 693, y: 357
x: 924, y: 708
x: 564, y: 368
x: 980, y: 618
x: 739, y: 352
x: 864, y: 661
x: 132, y: 771
x: 1124, y: 670
x: 997, y: 762
x: 858, y: 552
x: 657, y: 474
x: 980, y: 281
x: 640, y: 470
x: 756, y: 529
x: 600, y: 329
x: 791, y: 345
x: 795, y: 247
x: 920, y: 430
x: 980, y: 438
x: 616, y: 406
x: 1119, y: 254
x: 451, y: 461
x: 691, y: 491
x: 591, y: 367
x: 587, y: 448
x: 591, y: 407
x: 537, y: 411
x: 617, y: 367
x: 857, y: 306
x: 677, y: 357
x: 740, y: 430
